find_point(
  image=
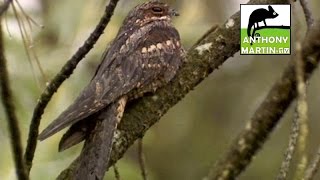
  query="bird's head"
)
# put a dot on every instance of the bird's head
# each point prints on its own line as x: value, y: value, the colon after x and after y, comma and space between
x: 152, y: 11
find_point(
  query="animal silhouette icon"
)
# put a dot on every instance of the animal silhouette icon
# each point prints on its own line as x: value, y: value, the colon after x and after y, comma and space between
x: 259, y: 15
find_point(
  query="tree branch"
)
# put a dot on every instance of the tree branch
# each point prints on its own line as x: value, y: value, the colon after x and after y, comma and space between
x: 202, y: 59
x: 65, y: 72
x: 268, y: 114
x: 7, y: 100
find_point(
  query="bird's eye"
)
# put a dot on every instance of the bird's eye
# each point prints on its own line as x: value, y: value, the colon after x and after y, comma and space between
x: 157, y: 10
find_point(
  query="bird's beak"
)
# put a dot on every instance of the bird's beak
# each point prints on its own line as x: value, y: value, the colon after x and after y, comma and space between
x: 173, y: 12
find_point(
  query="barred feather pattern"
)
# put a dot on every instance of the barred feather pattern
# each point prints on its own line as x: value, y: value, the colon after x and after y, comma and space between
x: 144, y: 56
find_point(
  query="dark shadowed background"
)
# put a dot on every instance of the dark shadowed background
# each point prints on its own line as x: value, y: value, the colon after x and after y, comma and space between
x: 192, y: 136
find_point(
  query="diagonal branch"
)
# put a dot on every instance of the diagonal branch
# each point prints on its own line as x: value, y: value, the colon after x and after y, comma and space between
x: 204, y: 57
x: 7, y: 100
x: 65, y: 72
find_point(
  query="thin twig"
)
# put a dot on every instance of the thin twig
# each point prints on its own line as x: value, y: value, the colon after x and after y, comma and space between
x: 7, y: 100
x: 5, y: 6
x: 313, y: 167
x: 301, y: 105
x: 142, y: 160
x: 29, y: 44
x: 116, y: 172
x: 29, y: 19
x: 24, y: 38
x: 285, y: 165
x: 6, y: 23
x: 307, y: 13
x: 65, y: 72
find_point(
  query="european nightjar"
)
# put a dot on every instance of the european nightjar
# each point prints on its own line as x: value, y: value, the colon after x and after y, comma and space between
x: 144, y: 56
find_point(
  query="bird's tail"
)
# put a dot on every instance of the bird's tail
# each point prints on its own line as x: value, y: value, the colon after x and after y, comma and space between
x: 77, y: 133
x: 82, y: 129
x: 95, y: 155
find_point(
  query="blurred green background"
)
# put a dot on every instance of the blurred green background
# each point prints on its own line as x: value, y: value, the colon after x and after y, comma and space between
x: 192, y: 136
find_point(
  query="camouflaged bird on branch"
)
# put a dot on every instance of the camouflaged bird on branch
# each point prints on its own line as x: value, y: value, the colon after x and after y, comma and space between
x: 144, y: 56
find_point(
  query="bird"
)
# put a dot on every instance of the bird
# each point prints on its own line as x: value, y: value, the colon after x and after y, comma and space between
x: 144, y: 56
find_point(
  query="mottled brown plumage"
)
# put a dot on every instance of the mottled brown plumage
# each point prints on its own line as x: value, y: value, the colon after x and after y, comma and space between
x: 144, y: 56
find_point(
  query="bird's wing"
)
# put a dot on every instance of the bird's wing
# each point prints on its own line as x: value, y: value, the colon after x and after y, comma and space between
x: 103, y: 89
